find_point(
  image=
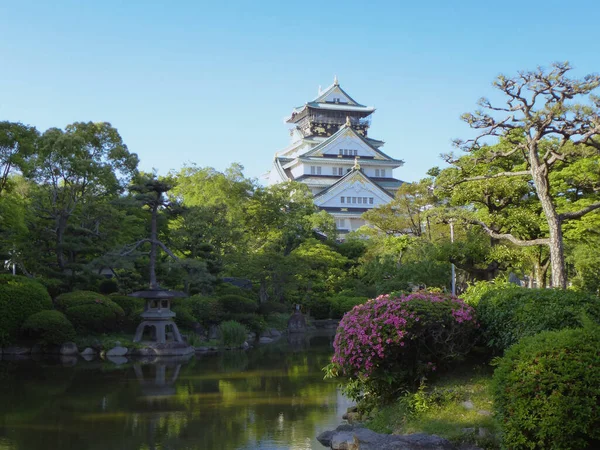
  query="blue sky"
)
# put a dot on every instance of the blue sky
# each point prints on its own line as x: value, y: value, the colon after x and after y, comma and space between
x: 210, y: 82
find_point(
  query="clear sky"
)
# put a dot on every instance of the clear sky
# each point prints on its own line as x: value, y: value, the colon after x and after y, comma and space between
x: 209, y: 82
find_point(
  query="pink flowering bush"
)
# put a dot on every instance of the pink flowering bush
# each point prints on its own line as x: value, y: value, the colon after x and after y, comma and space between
x: 388, y: 344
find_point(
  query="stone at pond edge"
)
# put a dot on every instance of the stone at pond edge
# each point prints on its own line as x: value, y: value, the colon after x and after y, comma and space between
x: 118, y: 360
x: 265, y: 340
x: 213, y: 332
x: 68, y: 349
x: 143, y: 352
x: 275, y: 333
x: 296, y: 323
x: 116, y: 351
x: 16, y: 350
x: 348, y: 437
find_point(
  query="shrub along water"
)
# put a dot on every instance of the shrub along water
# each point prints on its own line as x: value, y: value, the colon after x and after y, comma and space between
x: 507, y: 315
x: 388, y: 344
x: 90, y: 312
x: 233, y: 333
x: 20, y: 297
x: 547, y: 391
x: 49, y: 327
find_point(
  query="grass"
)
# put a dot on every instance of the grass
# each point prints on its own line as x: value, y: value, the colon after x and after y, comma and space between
x: 107, y: 340
x: 439, y: 409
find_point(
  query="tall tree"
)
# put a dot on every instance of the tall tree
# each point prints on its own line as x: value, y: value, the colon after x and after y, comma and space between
x: 543, y: 122
x: 17, y: 147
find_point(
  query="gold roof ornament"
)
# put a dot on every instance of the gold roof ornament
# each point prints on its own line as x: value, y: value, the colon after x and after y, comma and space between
x: 356, y: 164
x: 335, y: 81
x: 348, y: 123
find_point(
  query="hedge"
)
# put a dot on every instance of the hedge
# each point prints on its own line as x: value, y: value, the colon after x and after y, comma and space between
x: 20, y: 297
x: 547, y: 391
x: 90, y: 312
x: 508, y: 315
x: 49, y: 327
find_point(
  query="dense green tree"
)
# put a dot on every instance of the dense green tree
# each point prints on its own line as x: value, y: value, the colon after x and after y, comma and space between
x: 543, y: 123
x: 17, y: 148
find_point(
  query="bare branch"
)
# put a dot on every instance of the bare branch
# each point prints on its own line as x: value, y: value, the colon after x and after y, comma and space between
x: 510, y: 237
x: 167, y: 251
x: 133, y: 247
x: 496, y: 175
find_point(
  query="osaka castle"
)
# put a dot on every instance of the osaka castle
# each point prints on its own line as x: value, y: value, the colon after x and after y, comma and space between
x: 331, y: 152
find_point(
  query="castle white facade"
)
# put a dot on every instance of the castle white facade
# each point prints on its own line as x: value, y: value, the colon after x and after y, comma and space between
x: 330, y: 152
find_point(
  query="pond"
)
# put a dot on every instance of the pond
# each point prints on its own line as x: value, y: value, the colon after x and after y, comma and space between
x: 272, y: 397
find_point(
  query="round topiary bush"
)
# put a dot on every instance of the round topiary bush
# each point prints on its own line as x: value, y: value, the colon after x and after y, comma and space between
x: 547, y: 391
x: 49, y: 327
x: 90, y: 312
x: 132, y: 307
x: 237, y: 304
x: 507, y: 315
x: 184, y: 316
x: 253, y: 322
x: 20, y: 297
x: 207, y: 310
x: 388, y: 344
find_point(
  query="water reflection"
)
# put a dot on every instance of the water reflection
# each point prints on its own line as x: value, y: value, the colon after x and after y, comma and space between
x: 272, y: 397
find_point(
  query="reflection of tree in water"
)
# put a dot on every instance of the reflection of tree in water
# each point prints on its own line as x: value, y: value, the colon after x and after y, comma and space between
x: 222, y: 402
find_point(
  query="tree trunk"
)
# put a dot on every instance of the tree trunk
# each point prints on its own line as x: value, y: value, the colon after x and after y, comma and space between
x: 539, y: 173
x: 61, y: 226
x: 153, y: 245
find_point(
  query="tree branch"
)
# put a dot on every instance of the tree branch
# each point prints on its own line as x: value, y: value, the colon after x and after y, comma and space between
x: 134, y: 246
x: 510, y: 237
x: 497, y: 175
x: 580, y: 213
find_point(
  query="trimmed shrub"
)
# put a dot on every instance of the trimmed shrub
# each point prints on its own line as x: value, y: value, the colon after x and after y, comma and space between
x: 253, y: 322
x: 475, y: 291
x: 130, y: 305
x: 507, y: 315
x: 108, y: 286
x: 184, y: 317
x: 90, y: 312
x: 237, y: 304
x: 319, y: 307
x: 20, y: 297
x: 207, y: 310
x: 341, y: 304
x: 233, y: 333
x: 547, y: 391
x: 387, y: 344
x: 49, y: 327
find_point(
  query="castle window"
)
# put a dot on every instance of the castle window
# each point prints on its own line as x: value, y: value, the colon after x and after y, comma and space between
x: 342, y: 199
x: 383, y: 172
x: 376, y: 172
x: 365, y: 200
x: 355, y: 152
x: 370, y: 200
x: 360, y: 200
x: 353, y: 199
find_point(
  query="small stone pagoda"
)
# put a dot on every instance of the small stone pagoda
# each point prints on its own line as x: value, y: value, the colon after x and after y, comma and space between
x: 157, y: 315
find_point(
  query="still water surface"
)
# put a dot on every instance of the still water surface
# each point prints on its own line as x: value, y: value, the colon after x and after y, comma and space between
x: 271, y: 397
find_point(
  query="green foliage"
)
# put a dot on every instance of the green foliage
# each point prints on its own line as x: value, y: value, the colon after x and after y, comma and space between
x: 20, y: 297
x: 232, y: 303
x: 184, y: 318
x: 341, y: 304
x: 49, y: 327
x: 388, y: 344
x: 279, y: 321
x: 233, y: 333
x: 547, y: 391
x: 108, y: 286
x: 207, y: 310
x: 132, y: 307
x: 509, y: 314
x: 253, y: 322
x: 318, y: 307
x: 268, y: 308
x: 90, y: 312
x: 477, y: 290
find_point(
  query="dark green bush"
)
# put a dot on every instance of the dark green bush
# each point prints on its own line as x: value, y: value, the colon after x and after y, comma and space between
x: 274, y: 307
x: 49, y: 327
x: 507, y: 315
x: 184, y: 316
x: 207, y: 310
x: 108, y: 286
x: 547, y: 391
x: 238, y: 304
x: 233, y: 333
x: 20, y: 297
x: 341, y: 304
x: 90, y: 312
x: 253, y: 322
x: 318, y: 307
x: 132, y: 307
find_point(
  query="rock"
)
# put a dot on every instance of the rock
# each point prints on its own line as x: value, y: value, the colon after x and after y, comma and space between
x: 469, y: 430
x: 251, y: 336
x: 245, y: 346
x: 116, y: 351
x: 69, y: 349
x: 199, y: 329
x: 296, y: 323
x: 468, y: 405
x: 275, y: 333
x: 265, y: 340
x: 213, y: 332
x: 483, y: 432
x: 118, y: 360
x: 484, y: 412
x: 15, y: 350
x: 68, y: 360
x: 265, y: 333
x: 348, y: 437
x: 88, y: 351
x: 144, y: 352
